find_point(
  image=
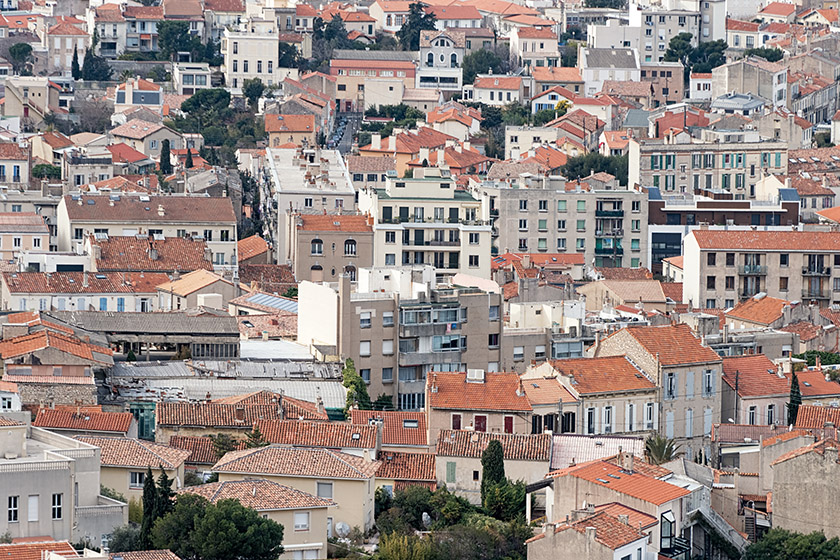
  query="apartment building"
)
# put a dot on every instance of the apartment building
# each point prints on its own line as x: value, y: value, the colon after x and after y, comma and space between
x: 141, y: 31
x: 353, y: 68
x: 594, y: 216
x: 399, y: 325
x: 80, y: 216
x: 599, y: 65
x: 111, y: 26
x: 248, y: 56
x: 425, y: 219
x: 189, y: 77
x: 146, y: 137
x: 22, y: 231
x: 324, y: 246
x: 62, y: 41
x: 534, y: 47
x: 666, y: 79
x: 723, y: 267
x: 31, y: 98
x: 731, y: 160
x: 441, y: 56
x: 755, y: 75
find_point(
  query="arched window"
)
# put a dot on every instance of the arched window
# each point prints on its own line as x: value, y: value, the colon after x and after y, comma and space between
x: 317, y: 247
x: 350, y: 270
x: 430, y: 59
x: 388, y: 21
x: 453, y: 60
x: 350, y: 247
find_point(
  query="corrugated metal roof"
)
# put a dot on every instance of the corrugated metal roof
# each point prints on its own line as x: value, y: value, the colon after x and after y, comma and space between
x: 276, y: 302
x: 569, y: 449
x: 150, y: 323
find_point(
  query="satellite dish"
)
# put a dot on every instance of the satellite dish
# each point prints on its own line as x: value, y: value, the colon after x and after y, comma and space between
x: 342, y: 529
x: 427, y: 520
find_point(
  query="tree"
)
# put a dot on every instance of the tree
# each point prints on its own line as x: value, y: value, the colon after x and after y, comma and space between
x: 173, y: 36
x: 75, y: 69
x: 226, y: 530
x: 288, y: 56
x: 254, y: 438
x: 700, y: 59
x: 770, y: 55
x: 95, y: 68
x: 415, y: 22
x: 780, y: 544
x: 46, y: 171
x: 165, y: 158
x: 19, y: 54
x: 594, y: 162
x: 480, y: 62
x: 164, y: 499
x: 659, y: 449
x: 223, y: 443
x: 94, y: 115
x: 336, y: 33
x: 125, y: 539
x: 492, y: 467
x: 357, y: 393
x: 405, y: 547
x: 505, y: 501
x: 383, y: 402
x: 149, y: 505
x: 680, y: 49
x: 252, y: 90
x: 826, y: 358
x: 794, y: 401
x: 188, y: 163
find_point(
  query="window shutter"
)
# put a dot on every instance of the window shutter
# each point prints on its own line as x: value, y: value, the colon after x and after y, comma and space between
x: 689, y: 385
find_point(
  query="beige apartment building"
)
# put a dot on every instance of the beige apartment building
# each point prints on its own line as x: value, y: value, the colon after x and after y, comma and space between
x: 724, y: 160
x: 248, y: 56
x: 595, y: 216
x: 31, y: 98
x: 22, y: 231
x: 399, y: 328
x: 425, y: 219
x: 327, y: 245
x: 147, y: 138
x: 724, y: 267
x: 687, y: 374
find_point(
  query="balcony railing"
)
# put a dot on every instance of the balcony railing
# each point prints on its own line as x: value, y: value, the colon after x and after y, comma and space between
x: 816, y: 271
x: 609, y: 251
x: 610, y: 233
x: 609, y: 213
x: 808, y: 293
x: 752, y: 270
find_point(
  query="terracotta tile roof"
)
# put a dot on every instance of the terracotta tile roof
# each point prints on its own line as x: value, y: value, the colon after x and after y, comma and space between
x: 119, y: 422
x: 143, y: 12
x: 812, y: 383
x: 410, y: 142
x: 628, y: 89
x: 22, y: 222
x: 510, y: 290
x: 556, y: 74
x: 8, y: 422
x: 398, y: 427
x: 129, y: 253
x: 673, y: 291
x: 818, y: 447
x: 334, y: 222
x: 136, y: 129
x: 463, y: 161
x: 560, y: 260
x: 261, y: 495
x: 498, y: 391
x: 675, y: 344
x: 123, y: 153
x: 592, y: 376
x: 739, y: 433
x: 676, y: 262
x: 335, y: 435
x: 548, y: 157
x: 407, y: 466
x: 65, y: 28
x: 165, y: 209
x: 36, y: 550
x: 831, y: 315
x: 141, y: 85
x: 609, y: 531
x: 282, y: 324
x: 757, y: 376
x: 201, y: 448
x: 297, y: 461
x: 806, y: 330
x: 8, y: 387
x: 498, y: 82
x: 289, y: 123
x: 144, y: 555
x: 516, y: 447
x: 549, y: 390
x: 429, y: 35
x: 251, y: 247
x: 192, y: 282
x: 764, y: 310
x: 224, y: 5
x: 636, y: 518
x: 831, y: 214
x: 82, y: 283
x: 738, y: 25
x: 28, y: 343
x: 787, y: 436
x: 811, y: 417
x: 453, y: 11
x: 368, y: 164
x: 215, y: 415
x: 636, y: 485
x: 128, y: 452
x: 48, y: 379
x: 778, y: 9
x: 646, y: 291
x: 56, y: 140
x: 809, y: 186
x: 108, y: 13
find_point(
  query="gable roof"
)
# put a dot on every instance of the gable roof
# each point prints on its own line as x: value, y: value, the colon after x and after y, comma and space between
x: 763, y: 310
x: 592, y: 376
x: 261, y: 495
x: 818, y: 447
x: 498, y: 82
x: 297, y: 461
x: 214, y: 415
x: 137, y: 129
x: 566, y: 74
x: 36, y: 550
x: 128, y: 452
x: 778, y: 9
x: 498, y: 391
x: 398, y: 427
x: 82, y: 282
x: 609, y: 531
x: 40, y: 340
x: 192, y: 282
x: 201, y: 448
x: 811, y: 417
x: 144, y: 555
x: 132, y: 253
x: 289, y: 123
x: 119, y: 422
x: 335, y: 435
x: 123, y: 153
x: 635, y: 484
x: 516, y: 447
x: 756, y: 376
x: 675, y: 344
x: 251, y: 247
x: 22, y: 222
x: 407, y: 466
x: 154, y: 208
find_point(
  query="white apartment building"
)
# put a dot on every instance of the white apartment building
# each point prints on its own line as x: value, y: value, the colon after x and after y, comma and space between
x: 247, y: 56
x: 441, y: 56
x: 425, y: 220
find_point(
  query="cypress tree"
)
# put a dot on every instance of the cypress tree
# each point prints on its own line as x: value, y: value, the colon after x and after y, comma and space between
x: 492, y: 467
x: 75, y: 69
x: 164, y: 496
x: 189, y: 163
x: 165, y: 163
x: 149, y: 507
x: 795, y: 400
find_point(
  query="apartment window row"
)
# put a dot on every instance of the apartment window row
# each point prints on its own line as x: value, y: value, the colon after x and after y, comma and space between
x: 33, y: 507
x: 316, y: 247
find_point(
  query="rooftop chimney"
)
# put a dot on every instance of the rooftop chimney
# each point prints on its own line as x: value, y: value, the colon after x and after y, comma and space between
x: 376, y: 141
x: 240, y: 414
x: 590, y: 534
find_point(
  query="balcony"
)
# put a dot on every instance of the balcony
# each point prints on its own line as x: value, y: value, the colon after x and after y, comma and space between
x: 610, y: 233
x: 442, y: 243
x: 408, y: 359
x: 816, y: 271
x: 746, y: 294
x: 612, y: 251
x: 609, y: 213
x: 427, y: 329
x: 752, y: 270
x: 809, y: 293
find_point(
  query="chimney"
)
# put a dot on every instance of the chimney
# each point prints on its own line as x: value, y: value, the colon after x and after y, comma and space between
x: 153, y: 254
x: 376, y: 141
x: 625, y: 461
x: 424, y: 154
x: 392, y: 141
x: 319, y: 404
x: 624, y: 518
x: 84, y: 279
x: 466, y: 145
x: 520, y: 391
x: 239, y: 415
x: 590, y: 534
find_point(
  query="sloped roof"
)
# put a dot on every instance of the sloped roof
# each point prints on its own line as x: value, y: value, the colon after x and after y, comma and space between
x: 22, y: 222
x: 675, y: 344
x: 764, y: 310
x: 592, y: 376
x: 498, y: 391
x: 318, y: 434
x: 297, y: 461
x: 635, y: 484
x: 289, y: 123
x: 144, y: 555
x: 355, y: 223
x: 128, y: 452
x: 158, y: 208
x: 86, y: 421
x: 609, y: 531
x: 407, y: 466
x: 519, y: 447
x: 756, y: 376
x: 39, y: 340
x: 811, y: 417
x: 261, y: 495
x: 192, y: 282
x: 251, y: 247
x: 214, y: 415
x: 136, y: 129
x: 398, y: 427
x: 126, y: 253
x: 201, y: 448
x: 36, y: 550
x: 82, y: 282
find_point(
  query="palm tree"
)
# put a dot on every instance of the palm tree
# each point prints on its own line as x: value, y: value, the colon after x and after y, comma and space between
x: 660, y: 449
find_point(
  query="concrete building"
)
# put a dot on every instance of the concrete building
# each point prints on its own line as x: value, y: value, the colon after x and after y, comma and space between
x: 754, y: 391
x: 754, y: 75
x: 425, y: 219
x: 499, y: 90
x: 31, y: 98
x: 248, y: 56
x: 353, y: 68
x: 324, y: 246
x: 594, y: 216
x: 441, y: 56
x: 666, y: 78
x: 534, y: 47
x: 189, y: 77
x: 399, y: 326
x: 22, y: 231
x: 599, y: 65
x: 50, y: 485
x: 62, y: 41
x: 147, y: 138
x: 199, y: 288
x: 282, y: 130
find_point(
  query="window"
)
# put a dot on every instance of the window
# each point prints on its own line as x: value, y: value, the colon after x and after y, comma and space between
x: 710, y: 259
x: 649, y: 411
x: 493, y: 313
x: 784, y: 259
x: 14, y: 509
x: 608, y: 419
x: 317, y: 247
x: 78, y: 233
x: 543, y: 205
x: 387, y: 318
x: 518, y: 352
x: 364, y: 348
x: 635, y: 225
x: 523, y: 225
x: 729, y: 282
x: 666, y: 530
x: 708, y: 383
x: 581, y: 225
x: 580, y: 244
x: 56, y: 506
x: 136, y: 479
x: 390, y: 237
x: 480, y: 423
x: 671, y: 386
x: 493, y: 340
x: 581, y: 206
x: 350, y: 248
x: 301, y: 521
x: 153, y: 144
x: 561, y: 225
x: 32, y: 508
x: 474, y: 237
x: 364, y: 320
x: 456, y: 421
x: 710, y: 282
x: 387, y: 347
x: 325, y: 490
x: 783, y: 283
x: 539, y: 351
x: 771, y: 414
x: 561, y: 205
x: 523, y: 205
x: 36, y: 242
x: 473, y: 261
x: 590, y: 420
x: 103, y: 304
x: 450, y: 472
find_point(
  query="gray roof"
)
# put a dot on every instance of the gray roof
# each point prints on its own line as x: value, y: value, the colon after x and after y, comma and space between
x: 352, y: 54
x: 788, y: 195
x: 569, y: 449
x: 149, y: 323
x: 609, y: 58
x: 738, y: 102
x: 268, y: 300
x: 636, y: 118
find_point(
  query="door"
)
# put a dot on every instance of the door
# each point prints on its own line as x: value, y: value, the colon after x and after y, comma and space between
x: 456, y: 421
x: 480, y: 423
x: 508, y: 424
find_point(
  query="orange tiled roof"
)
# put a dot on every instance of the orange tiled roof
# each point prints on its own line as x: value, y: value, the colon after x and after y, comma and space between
x: 406, y: 466
x: 32, y: 342
x: 563, y: 74
x: 738, y: 25
x: 547, y: 390
x: 516, y: 447
x: 410, y: 142
x: 764, y: 310
x: 36, y: 550
x: 757, y: 376
x: 675, y: 344
x: 805, y: 329
x: 261, y: 495
x: 498, y: 82
x: 818, y: 447
x: 811, y: 417
x: 82, y: 282
x: 398, y: 427
x: 129, y: 209
x: 636, y: 518
x: 289, y: 123
x: 787, y: 436
x: 119, y: 422
x: 297, y: 461
x: 8, y: 422
x: 334, y: 435
x: 591, y: 376
x: 609, y: 531
x: 335, y: 222
x: 128, y: 253
x: 251, y: 247
x: 128, y: 452
x: 768, y: 240
x: 200, y: 447
x: 144, y: 555
x: 498, y: 391
x: 214, y: 415
x: 813, y: 383
x: 636, y: 485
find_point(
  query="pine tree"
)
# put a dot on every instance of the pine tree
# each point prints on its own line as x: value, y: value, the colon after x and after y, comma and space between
x: 189, y: 163
x: 165, y: 163
x: 149, y: 506
x: 164, y: 498
x: 492, y: 467
x: 254, y: 438
x: 75, y: 69
x: 795, y: 400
